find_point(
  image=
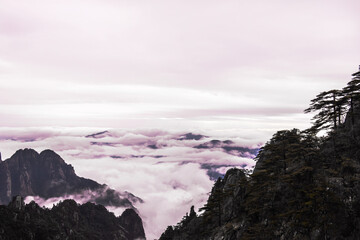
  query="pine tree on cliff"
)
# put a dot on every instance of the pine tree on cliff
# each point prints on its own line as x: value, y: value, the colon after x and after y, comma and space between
x: 276, y: 181
x: 213, y: 207
x: 187, y: 218
x: 352, y: 94
x: 330, y: 106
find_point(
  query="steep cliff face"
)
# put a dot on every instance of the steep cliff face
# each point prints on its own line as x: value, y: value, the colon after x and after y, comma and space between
x: 67, y: 220
x: 302, y: 188
x: 131, y: 221
x: 28, y: 173
x: 222, y: 207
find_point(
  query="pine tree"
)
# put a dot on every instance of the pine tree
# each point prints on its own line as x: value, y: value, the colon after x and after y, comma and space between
x: 273, y: 176
x: 330, y: 106
x: 213, y: 207
x: 352, y: 94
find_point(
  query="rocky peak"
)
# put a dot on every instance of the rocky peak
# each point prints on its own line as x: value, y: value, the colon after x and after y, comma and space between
x: 133, y: 223
x: 28, y: 173
x: 17, y: 203
x: 50, y: 155
x: 25, y: 153
x: 233, y: 175
x: 23, y: 157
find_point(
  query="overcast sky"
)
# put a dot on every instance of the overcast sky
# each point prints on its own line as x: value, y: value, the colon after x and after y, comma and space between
x: 235, y: 69
x: 211, y: 65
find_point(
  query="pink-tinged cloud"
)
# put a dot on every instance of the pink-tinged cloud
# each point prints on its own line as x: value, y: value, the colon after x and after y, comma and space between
x: 79, y: 198
x: 169, y: 178
x: 237, y: 70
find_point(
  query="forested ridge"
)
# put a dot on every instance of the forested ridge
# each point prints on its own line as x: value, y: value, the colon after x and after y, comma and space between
x: 332, y: 106
x: 305, y: 185
x: 67, y: 220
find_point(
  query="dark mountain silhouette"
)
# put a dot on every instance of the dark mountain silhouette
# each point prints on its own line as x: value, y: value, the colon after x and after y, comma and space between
x: 302, y: 187
x: 191, y: 136
x: 67, y: 220
x: 97, y: 135
x: 229, y: 147
x: 28, y: 173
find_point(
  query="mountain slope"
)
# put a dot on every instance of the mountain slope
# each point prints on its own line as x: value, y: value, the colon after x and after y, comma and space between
x: 298, y: 190
x: 303, y: 187
x: 28, y: 173
x: 67, y: 220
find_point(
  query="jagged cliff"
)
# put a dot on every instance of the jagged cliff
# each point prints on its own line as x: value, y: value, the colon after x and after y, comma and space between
x: 28, y: 173
x: 303, y: 187
x: 67, y: 220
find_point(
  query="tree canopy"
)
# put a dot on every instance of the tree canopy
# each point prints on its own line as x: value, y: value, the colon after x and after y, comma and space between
x: 331, y: 106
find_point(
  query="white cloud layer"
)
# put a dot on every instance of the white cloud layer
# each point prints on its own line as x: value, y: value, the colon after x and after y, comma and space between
x: 169, y: 174
x: 236, y: 69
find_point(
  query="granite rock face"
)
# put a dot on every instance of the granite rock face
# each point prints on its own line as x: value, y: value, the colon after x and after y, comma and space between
x: 131, y: 221
x: 28, y: 173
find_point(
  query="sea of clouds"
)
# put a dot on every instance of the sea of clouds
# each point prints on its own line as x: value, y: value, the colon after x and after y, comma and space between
x: 170, y: 171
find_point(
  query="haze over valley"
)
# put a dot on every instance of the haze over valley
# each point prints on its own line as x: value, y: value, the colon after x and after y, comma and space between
x: 158, y: 99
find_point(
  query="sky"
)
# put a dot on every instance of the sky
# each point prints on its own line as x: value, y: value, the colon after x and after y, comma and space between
x: 226, y: 69
x: 214, y: 65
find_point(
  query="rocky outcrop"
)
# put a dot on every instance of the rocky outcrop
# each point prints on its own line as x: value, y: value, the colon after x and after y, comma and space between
x: 66, y: 220
x: 131, y: 221
x: 302, y: 188
x: 222, y: 207
x: 28, y: 173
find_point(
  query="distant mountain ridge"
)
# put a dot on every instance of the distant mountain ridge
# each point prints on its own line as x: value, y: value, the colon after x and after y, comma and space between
x: 229, y: 147
x: 28, y: 173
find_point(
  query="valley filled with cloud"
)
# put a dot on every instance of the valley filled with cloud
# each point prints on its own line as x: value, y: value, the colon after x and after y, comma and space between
x: 168, y: 171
